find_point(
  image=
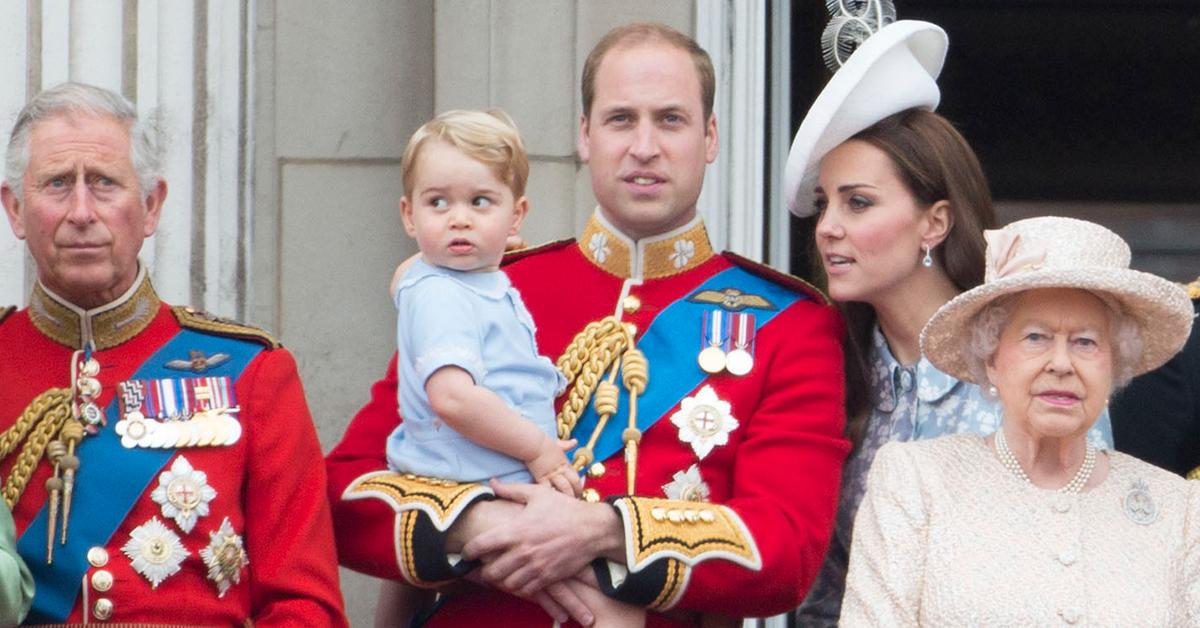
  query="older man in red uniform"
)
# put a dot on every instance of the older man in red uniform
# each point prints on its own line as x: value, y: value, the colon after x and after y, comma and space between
x: 713, y: 448
x: 161, y: 465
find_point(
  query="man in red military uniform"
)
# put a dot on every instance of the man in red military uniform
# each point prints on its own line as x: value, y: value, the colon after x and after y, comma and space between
x: 713, y: 450
x: 161, y: 465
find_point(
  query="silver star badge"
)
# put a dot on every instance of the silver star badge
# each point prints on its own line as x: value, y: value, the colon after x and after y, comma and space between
x: 704, y: 421
x: 687, y: 486
x: 224, y: 557
x: 154, y: 551
x: 183, y: 493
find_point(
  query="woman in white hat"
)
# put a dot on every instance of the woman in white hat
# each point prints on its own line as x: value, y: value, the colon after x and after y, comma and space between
x: 903, y: 204
x: 1033, y: 526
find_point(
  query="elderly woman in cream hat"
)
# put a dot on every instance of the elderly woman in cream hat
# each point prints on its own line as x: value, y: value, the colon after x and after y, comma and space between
x: 1033, y: 526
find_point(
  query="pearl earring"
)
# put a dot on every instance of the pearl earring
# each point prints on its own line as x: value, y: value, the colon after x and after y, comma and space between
x: 927, y: 261
x: 992, y: 390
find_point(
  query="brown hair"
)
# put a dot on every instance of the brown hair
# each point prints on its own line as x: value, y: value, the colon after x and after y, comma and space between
x: 935, y: 163
x: 631, y: 35
x: 486, y: 136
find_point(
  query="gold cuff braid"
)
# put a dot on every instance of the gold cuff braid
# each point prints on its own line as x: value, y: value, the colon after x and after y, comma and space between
x: 690, y: 532
x: 442, y: 500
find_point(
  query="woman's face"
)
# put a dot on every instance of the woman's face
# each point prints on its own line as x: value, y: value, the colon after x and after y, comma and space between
x: 1053, y: 367
x: 871, y: 228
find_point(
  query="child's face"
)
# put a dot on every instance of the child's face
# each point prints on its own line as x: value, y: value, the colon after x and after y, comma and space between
x: 459, y: 212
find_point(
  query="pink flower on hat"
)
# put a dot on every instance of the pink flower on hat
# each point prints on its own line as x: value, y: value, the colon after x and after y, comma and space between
x: 1006, y: 256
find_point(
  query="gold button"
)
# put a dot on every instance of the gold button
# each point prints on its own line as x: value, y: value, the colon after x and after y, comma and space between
x: 631, y: 304
x: 102, y: 609
x: 102, y: 580
x: 591, y: 495
x: 97, y: 556
x: 596, y: 470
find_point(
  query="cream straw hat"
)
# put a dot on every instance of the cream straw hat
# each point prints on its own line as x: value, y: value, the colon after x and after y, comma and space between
x: 893, y: 70
x: 1055, y: 252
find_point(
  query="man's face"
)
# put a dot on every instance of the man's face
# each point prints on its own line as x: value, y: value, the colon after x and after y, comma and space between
x: 647, y: 140
x: 83, y: 214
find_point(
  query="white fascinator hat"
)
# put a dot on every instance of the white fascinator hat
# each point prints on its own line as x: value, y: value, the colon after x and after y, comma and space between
x: 892, y: 70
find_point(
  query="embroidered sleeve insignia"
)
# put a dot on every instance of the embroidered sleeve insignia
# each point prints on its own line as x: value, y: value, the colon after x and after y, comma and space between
x: 732, y: 299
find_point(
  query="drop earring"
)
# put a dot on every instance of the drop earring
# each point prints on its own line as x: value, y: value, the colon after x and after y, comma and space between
x: 927, y: 261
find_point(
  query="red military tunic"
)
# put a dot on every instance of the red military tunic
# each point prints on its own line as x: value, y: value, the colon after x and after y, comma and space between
x: 267, y: 483
x: 777, y: 474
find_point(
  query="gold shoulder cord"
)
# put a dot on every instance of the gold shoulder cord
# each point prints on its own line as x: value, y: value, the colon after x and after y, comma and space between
x: 605, y: 345
x: 41, y: 422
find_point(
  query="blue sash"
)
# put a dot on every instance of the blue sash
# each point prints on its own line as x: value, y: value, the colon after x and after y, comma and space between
x: 109, y: 482
x: 671, y: 345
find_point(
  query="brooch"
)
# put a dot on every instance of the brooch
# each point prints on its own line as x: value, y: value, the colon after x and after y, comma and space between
x: 1139, y: 506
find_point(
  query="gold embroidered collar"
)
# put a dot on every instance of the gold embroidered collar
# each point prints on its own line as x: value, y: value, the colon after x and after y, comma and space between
x: 663, y: 255
x: 105, y: 327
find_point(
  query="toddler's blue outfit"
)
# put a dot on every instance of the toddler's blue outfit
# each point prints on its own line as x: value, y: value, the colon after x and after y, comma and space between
x: 475, y: 321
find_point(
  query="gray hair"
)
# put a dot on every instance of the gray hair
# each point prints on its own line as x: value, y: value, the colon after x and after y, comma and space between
x: 988, y: 324
x: 68, y: 98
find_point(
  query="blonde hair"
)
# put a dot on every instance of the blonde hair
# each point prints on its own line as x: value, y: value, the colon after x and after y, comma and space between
x: 489, y: 137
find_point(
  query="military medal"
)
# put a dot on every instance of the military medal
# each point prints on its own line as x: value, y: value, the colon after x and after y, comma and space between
x: 183, y: 493
x: 154, y: 551
x: 740, y: 360
x: 714, y: 335
x: 225, y: 557
x: 171, y: 413
x: 704, y: 421
x: 687, y: 486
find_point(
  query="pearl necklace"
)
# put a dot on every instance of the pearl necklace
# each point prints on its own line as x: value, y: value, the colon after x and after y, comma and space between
x: 1073, y: 487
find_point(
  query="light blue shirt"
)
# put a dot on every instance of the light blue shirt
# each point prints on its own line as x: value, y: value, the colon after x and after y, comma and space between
x: 477, y: 322
x: 908, y: 403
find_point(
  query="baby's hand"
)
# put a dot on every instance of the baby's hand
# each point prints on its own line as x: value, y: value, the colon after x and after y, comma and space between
x: 550, y: 467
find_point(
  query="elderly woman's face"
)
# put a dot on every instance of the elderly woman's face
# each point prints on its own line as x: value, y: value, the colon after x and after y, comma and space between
x: 1053, y: 367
